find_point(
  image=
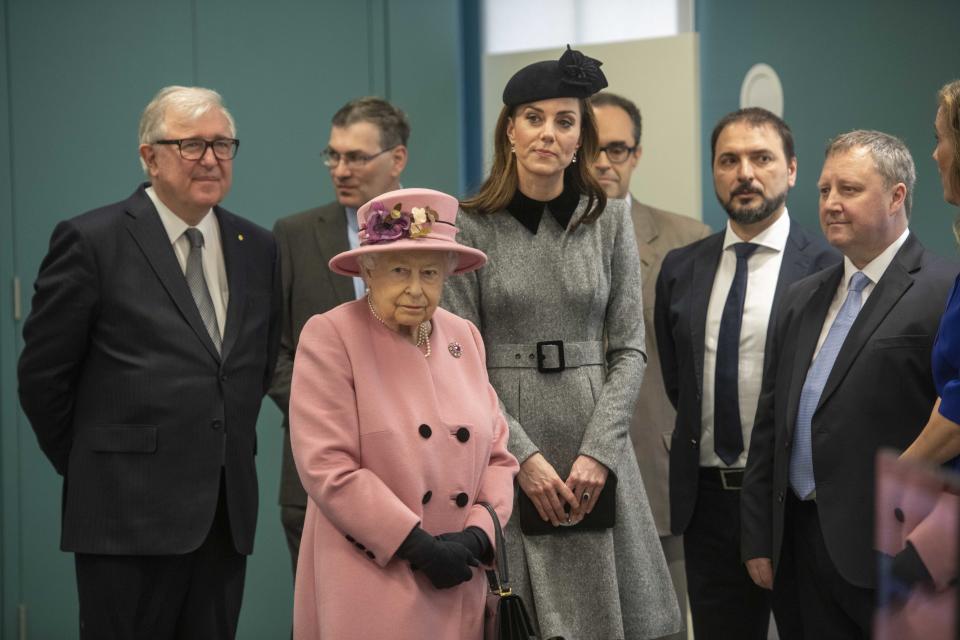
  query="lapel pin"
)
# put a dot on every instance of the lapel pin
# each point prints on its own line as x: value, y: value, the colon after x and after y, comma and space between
x: 455, y: 349
x: 240, y: 237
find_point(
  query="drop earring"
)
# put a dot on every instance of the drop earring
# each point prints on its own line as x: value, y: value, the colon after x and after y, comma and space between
x: 513, y: 149
x: 574, y: 160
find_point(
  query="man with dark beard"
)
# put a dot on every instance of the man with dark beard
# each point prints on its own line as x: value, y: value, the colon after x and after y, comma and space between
x: 714, y: 301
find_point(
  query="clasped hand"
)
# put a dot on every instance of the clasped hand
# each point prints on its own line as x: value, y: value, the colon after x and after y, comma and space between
x: 558, y: 501
x: 446, y: 560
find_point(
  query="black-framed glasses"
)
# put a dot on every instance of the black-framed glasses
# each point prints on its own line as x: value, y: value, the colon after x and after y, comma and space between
x: 353, y: 159
x: 194, y: 148
x: 617, y: 152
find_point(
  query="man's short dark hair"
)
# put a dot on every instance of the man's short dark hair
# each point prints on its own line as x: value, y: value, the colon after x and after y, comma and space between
x: 608, y: 99
x: 755, y: 117
x: 391, y: 121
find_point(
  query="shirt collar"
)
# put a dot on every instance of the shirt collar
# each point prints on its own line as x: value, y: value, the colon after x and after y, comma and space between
x: 174, y: 224
x: 352, y: 223
x: 528, y: 211
x: 878, y: 266
x: 773, y: 237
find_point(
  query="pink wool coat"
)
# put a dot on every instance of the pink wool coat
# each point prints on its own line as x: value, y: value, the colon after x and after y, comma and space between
x: 383, y: 439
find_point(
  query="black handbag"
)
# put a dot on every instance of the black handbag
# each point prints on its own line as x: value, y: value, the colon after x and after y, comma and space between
x: 505, y: 617
x: 603, y: 516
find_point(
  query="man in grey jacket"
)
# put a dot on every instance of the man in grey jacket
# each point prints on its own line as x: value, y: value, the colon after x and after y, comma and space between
x: 366, y: 154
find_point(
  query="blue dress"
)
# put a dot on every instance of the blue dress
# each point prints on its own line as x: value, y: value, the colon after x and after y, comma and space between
x: 946, y: 362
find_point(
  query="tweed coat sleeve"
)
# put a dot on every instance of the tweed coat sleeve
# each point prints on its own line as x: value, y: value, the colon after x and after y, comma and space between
x: 463, y: 296
x: 607, y: 431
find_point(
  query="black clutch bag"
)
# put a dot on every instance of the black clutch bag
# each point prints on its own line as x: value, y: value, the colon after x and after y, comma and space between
x: 603, y: 516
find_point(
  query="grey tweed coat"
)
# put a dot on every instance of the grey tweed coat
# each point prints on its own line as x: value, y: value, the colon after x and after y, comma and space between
x: 582, y: 287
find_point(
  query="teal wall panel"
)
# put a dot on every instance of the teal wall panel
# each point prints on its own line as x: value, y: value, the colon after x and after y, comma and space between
x: 424, y: 76
x: 9, y: 477
x: 857, y: 64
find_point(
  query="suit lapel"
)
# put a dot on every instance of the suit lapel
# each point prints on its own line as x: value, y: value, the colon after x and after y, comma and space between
x: 148, y: 232
x: 645, y: 228
x: 813, y: 313
x: 896, y: 280
x: 794, y: 266
x: 704, y: 271
x: 330, y: 231
x: 236, y: 266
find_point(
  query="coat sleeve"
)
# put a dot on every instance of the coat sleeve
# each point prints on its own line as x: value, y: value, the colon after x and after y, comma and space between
x: 56, y: 336
x: 935, y: 539
x: 463, y: 296
x: 283, y: 372
x: 666, y: 347
x: 325, y: 437
x: 756, y: 495
x: 606, y: 433
x: 496, y: 485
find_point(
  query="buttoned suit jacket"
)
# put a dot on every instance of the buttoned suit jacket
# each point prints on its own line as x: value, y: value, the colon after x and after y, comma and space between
x: 126, y: 392
x: 879, y: 394
x: 680, y: 316
x: 657, y: 232
x: 306, y: 241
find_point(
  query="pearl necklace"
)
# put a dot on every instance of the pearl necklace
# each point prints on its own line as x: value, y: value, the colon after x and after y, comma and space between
x: 423, y: 331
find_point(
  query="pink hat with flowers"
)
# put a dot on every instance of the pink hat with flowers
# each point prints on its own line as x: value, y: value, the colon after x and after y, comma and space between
x: 408, y: 220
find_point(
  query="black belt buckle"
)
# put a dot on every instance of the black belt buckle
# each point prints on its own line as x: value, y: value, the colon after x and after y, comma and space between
x: 541, y: 357
x: 731, y: 479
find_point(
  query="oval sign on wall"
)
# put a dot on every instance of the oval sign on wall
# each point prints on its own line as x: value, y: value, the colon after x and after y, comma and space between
x: 761, y: 88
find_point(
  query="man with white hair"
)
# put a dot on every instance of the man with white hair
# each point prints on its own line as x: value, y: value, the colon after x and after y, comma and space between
x: 150, y: 344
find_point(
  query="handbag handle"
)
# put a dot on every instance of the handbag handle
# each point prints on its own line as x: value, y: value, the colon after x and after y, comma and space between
x: 499, y: 578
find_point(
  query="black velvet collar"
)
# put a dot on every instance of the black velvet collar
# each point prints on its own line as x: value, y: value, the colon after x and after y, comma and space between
x: 528, y: 211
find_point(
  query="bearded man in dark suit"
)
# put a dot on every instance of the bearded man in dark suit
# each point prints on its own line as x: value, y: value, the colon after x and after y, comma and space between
x: 149, y: 347
x: 715, y: 300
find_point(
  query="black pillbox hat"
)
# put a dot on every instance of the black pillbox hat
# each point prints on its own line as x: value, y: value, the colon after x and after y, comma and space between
x: 574, y: 75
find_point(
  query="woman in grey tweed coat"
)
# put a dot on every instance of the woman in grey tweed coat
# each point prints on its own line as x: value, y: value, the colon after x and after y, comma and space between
x: 564, y: 267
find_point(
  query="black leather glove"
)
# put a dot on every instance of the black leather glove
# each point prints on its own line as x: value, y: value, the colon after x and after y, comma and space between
x: 446, y: 564
x: 908, y: 567
x: 474, y: 539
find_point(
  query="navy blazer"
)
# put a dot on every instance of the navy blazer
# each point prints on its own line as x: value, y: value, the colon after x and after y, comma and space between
x: 126, y: 392
x: 680, y: 317
x: 879, y: 394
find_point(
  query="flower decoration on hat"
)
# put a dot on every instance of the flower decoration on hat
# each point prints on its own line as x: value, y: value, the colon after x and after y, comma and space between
x: 387, y: 226
x: 582, y: 71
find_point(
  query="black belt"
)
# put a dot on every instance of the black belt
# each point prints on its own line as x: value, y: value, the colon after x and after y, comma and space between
x: 729, y: 479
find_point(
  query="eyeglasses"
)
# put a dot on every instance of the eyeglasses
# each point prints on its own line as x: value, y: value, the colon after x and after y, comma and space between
x: 618, y: 152
x: 194, y: 148
x: 353, y: 159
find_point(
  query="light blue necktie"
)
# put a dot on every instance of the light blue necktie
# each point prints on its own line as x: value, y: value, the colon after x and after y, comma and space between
x: 801, y: 455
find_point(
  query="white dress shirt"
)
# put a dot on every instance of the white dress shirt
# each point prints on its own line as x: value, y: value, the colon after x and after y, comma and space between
x: 763, y: 272
x: 874, y: 270
x: 214, y: 267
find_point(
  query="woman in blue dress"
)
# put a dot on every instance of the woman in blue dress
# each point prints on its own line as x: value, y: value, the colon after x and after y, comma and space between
x: 939, y: 442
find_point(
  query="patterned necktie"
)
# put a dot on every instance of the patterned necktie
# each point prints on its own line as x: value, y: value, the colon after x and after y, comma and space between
x: 727, y: 429
x: 801, y: 455
x: 198, y: 285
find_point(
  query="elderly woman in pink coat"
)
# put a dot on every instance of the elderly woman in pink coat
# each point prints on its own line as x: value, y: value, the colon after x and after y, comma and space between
x: 398, y: 438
